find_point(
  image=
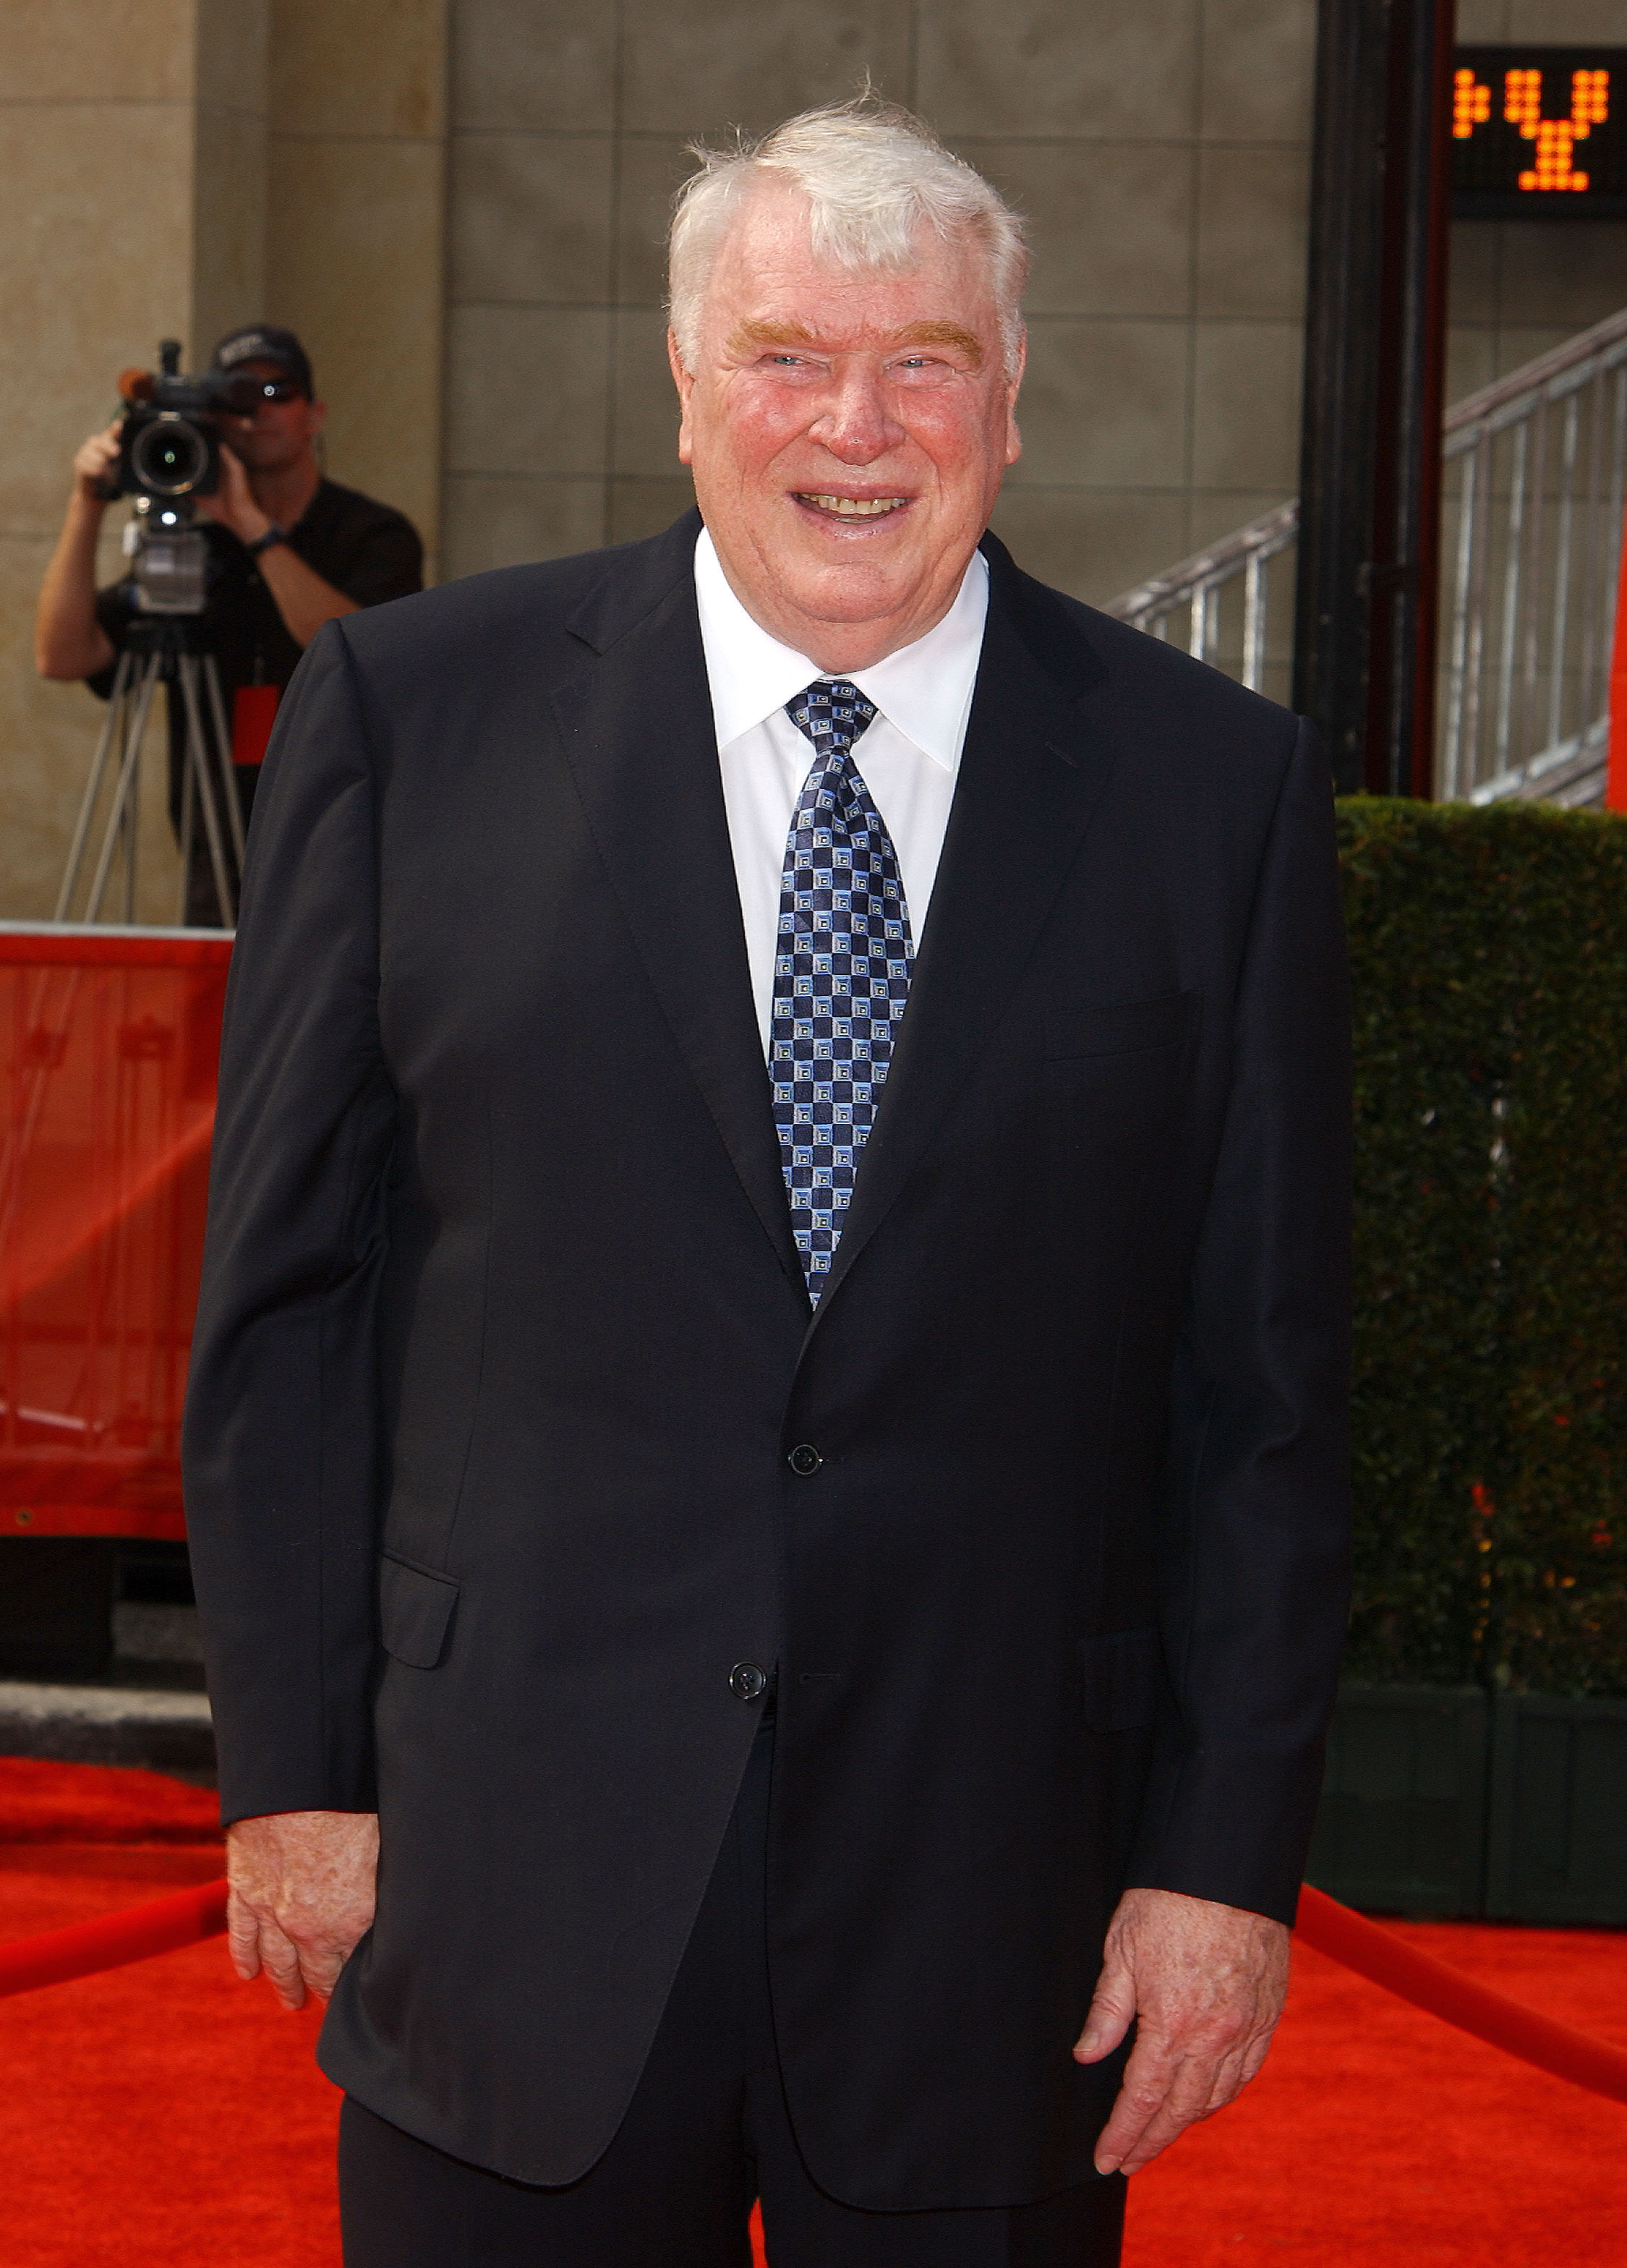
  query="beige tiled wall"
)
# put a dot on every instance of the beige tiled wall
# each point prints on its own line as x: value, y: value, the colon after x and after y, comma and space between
x: 1160, y: 152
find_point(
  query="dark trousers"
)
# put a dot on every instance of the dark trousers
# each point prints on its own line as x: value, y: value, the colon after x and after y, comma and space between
x: 707, y: 2131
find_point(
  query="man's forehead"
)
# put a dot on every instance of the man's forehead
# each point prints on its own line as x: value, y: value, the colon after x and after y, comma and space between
x: 768, y: 276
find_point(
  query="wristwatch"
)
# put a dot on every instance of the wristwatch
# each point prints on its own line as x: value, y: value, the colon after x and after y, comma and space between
x: 273, y: 534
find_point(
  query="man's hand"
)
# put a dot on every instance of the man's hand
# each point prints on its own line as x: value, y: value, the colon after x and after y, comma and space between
x: 94, y: 463
x: 301, y: 1896
x: 232, y: 503
x: 304, y: 600
x: 1205, y: 1983
x: 69, y: 640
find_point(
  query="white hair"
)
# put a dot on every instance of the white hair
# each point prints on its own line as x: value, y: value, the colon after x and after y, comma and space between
x: 876, y: 178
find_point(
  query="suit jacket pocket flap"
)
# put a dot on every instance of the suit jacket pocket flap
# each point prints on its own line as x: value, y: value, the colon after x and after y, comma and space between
x: 1120, y: 1675
x: 1121, y: 1028
x: 415, y: 1610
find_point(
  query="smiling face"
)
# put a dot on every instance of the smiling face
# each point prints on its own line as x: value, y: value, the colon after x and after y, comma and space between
x: 848, y: 433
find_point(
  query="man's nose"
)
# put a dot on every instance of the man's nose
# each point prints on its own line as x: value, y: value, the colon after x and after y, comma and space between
x: 856, y: 423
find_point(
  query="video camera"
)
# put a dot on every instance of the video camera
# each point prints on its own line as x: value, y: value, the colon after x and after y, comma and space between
x: 169, y: 444
x: 169, y: 453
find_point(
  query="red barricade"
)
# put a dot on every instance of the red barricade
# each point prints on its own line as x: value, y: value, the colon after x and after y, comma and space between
x: 1412, y: 1974
x: 87, y: 1947
x: 111, y: 1041
x: 1371, y: 1950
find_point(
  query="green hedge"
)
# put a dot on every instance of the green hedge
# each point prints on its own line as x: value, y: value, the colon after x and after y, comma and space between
x: 1489, y: 953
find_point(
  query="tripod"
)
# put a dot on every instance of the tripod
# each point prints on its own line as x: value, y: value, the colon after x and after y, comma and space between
x: 159, y: 651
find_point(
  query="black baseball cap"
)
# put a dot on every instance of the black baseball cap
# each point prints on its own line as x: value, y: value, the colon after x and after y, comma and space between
x: 267, y: 342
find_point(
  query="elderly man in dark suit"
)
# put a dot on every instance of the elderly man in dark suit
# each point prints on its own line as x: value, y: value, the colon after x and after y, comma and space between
x: 765, y: 1453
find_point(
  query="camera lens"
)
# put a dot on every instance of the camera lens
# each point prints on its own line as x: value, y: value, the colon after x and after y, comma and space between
x: 169, y: 457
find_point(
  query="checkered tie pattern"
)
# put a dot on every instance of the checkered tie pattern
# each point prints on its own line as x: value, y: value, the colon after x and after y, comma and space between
x: 841, y: 973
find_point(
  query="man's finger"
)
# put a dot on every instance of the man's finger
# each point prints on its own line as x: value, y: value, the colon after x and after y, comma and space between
x: 1235, y: 2069
x: 1195, y: 2085
x: 1149, y: 2076
x: 1112, y: 2010
x: 1256, y: 2052
x: 1156, y: 2137
x: 243, y: 1936
x: 319, y: 1966
x: 1184, y: 2101
x: 280, y: 1960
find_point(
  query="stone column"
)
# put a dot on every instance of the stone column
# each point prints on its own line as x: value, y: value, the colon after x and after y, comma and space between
x: 356, y: 222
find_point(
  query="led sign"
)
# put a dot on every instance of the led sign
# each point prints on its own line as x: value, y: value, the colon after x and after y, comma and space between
x: 1539, y: 133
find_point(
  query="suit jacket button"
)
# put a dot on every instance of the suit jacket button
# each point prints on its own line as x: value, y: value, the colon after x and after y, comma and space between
x: 746, y: 1681
x: 805, y: 1459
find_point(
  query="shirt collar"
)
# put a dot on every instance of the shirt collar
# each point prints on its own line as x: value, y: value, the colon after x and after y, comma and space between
x: 924, y: 689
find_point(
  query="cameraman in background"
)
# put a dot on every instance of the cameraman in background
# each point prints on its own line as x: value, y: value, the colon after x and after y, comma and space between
x: 288, y: 550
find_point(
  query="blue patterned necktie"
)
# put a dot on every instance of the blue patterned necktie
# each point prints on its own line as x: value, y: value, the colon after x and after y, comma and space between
x: 841, y: 973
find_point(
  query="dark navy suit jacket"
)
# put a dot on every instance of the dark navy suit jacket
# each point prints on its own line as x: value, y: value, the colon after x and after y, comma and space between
x: 504, y: 1347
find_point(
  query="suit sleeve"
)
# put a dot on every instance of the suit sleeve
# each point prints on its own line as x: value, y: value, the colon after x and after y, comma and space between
x: 280, y: 1441
x: 1256, y: 1501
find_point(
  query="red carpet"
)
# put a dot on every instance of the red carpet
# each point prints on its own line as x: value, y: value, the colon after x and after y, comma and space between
x: 160, y: 2116
x: 1377, y: 2137
x: 165, y: 2117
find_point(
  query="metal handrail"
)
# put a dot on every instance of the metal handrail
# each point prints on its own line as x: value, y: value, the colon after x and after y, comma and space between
x: 1528, y: 595
x: 1521, y: 389
x: 1531, y: 603
x: 1193, y: 582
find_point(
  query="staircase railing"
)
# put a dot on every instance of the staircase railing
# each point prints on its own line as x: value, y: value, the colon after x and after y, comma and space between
x: 1197, y: 585
x: 1536, y: 478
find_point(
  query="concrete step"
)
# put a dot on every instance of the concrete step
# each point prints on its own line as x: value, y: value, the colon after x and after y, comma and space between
x: 143, y: 1633
x: 163, y: 1731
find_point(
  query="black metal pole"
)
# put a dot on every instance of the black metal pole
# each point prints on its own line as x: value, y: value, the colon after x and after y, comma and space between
x: 1370, y: 493
x: 1405, y: 574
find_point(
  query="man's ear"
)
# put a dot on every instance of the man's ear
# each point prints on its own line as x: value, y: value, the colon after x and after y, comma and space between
x: 316, y: 417
x: 1013, y: 439
x: 684, y: 381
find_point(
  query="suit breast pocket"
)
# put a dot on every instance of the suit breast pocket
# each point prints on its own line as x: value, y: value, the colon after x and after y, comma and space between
x: 1118, y: 1068
x: 1119, y: 1027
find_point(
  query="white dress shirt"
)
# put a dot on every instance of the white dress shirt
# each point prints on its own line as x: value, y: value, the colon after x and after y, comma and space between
x: 908, y: 756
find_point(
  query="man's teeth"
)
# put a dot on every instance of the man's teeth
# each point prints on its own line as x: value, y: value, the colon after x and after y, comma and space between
x: 858, y: 507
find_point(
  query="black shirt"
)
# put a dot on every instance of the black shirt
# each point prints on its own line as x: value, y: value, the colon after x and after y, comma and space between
x: 368, y: 550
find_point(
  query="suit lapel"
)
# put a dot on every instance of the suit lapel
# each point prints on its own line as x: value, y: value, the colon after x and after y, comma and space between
x: 638, y: 729
x: 636, y: 725
x: 1029, y: 782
